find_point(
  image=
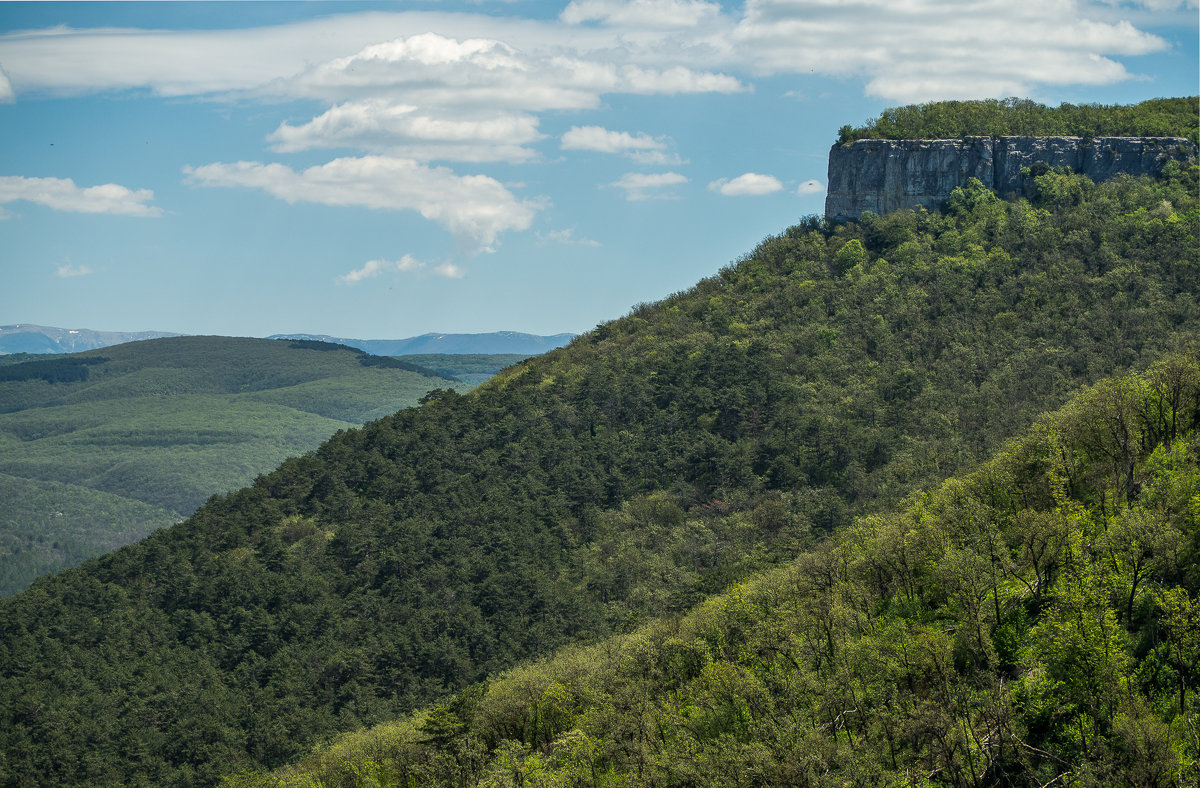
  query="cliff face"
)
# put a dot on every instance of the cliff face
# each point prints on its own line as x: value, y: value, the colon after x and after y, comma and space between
x: 888, y: 175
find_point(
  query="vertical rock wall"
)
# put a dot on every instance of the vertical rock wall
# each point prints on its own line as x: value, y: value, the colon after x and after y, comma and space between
x: 889, y: 175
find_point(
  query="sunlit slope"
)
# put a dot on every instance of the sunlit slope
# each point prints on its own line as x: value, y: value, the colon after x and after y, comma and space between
x: 1034, y: 621
x: 645, y: 466
x: 113, y: 443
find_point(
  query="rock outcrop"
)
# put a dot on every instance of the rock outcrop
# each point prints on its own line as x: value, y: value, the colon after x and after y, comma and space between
x: 889, y: 175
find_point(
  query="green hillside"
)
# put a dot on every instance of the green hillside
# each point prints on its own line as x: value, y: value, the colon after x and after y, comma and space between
x: 98, y: 449
x: 470, y: 368
x: 1033, y: 622
x: 631, y: 474
x: 1163, y: 117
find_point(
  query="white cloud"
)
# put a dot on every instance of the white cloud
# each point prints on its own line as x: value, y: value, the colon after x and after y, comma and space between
x: 597, y: 138
x: 373, y: 268
x: 922, y: 49
x: 475, y: 82
x: 62, y: 194
x: 653, y: 14
x: 566, y: 237
x: 811, y: 186
x: 750, y: 183
x: 434, y: 70
x: 406, y: 131
x: 67, y: 271
x: 7, y: 96
x: 474, y: 208
x: 642, y: 186
x: 449, y: 270
x: 406, y: 264
x: 640, y: 147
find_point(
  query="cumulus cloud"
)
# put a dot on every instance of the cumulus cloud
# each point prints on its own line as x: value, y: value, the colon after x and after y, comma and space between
x: 62, y: 194
x: 68, y: 271
x: 751, y: 183
x: 434, y: 70
x: 643, y: 186
x: 407, y: 131
x: 474, y: 208
x: 640, y: 147
x: 433, y: 96
x: 373, y: 268
x: 811, y: 186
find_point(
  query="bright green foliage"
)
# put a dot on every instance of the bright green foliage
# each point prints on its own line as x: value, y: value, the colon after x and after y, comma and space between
x: 874, y: 659
x: 1169, y: 117
x: 647, y: 465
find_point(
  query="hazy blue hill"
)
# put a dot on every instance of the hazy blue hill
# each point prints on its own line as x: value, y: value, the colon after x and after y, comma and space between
x: 133, y: 437
x: 30, y: 338
x: 497, y: 342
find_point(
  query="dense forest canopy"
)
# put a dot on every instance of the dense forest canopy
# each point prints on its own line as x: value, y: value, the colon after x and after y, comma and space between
x: 1036, y: 621
x: 1165, y: 117
x: 647, y: 465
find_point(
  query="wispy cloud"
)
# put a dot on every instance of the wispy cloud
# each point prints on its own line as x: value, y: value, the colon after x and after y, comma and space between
x: 373, y: 268
x: 749, y: 184
x: 62, y: 194
x: 406, y: 264
x: 438, y: 62
x: 651, y: 14
x: 448, y: 270
x: 566, y: 237
x: 645, y: 186
x: 68, y: 271
x: 474, y: 208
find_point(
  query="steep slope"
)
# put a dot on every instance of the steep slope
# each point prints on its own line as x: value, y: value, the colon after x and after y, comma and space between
x: 98, y: 449
x: 1035, y: 621
x: 629, y: 474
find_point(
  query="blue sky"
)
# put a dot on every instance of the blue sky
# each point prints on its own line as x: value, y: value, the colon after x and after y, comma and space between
x: 380, y: 170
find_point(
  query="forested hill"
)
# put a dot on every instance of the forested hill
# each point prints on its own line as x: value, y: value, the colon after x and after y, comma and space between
x: 632, y: 473
x: 1033, y: 622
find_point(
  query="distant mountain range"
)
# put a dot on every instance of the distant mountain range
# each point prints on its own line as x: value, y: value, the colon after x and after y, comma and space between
x: 494, y: 342
x: 30, y: 338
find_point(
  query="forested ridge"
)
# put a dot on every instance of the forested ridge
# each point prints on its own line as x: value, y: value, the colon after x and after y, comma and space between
x: 649, y: 464
x: 1031, y: 623
x: 1162, y: 117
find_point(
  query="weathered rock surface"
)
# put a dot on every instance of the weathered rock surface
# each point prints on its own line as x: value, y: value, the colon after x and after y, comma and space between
x: 889, y: 175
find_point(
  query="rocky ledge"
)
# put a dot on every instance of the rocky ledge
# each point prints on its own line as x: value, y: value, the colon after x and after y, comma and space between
x: 888, y: 175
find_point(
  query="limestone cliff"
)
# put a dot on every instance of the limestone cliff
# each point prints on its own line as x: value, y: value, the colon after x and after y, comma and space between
x: 888, y: 175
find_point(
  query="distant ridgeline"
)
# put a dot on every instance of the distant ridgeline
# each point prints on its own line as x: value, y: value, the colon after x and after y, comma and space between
x: 918, y: 155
